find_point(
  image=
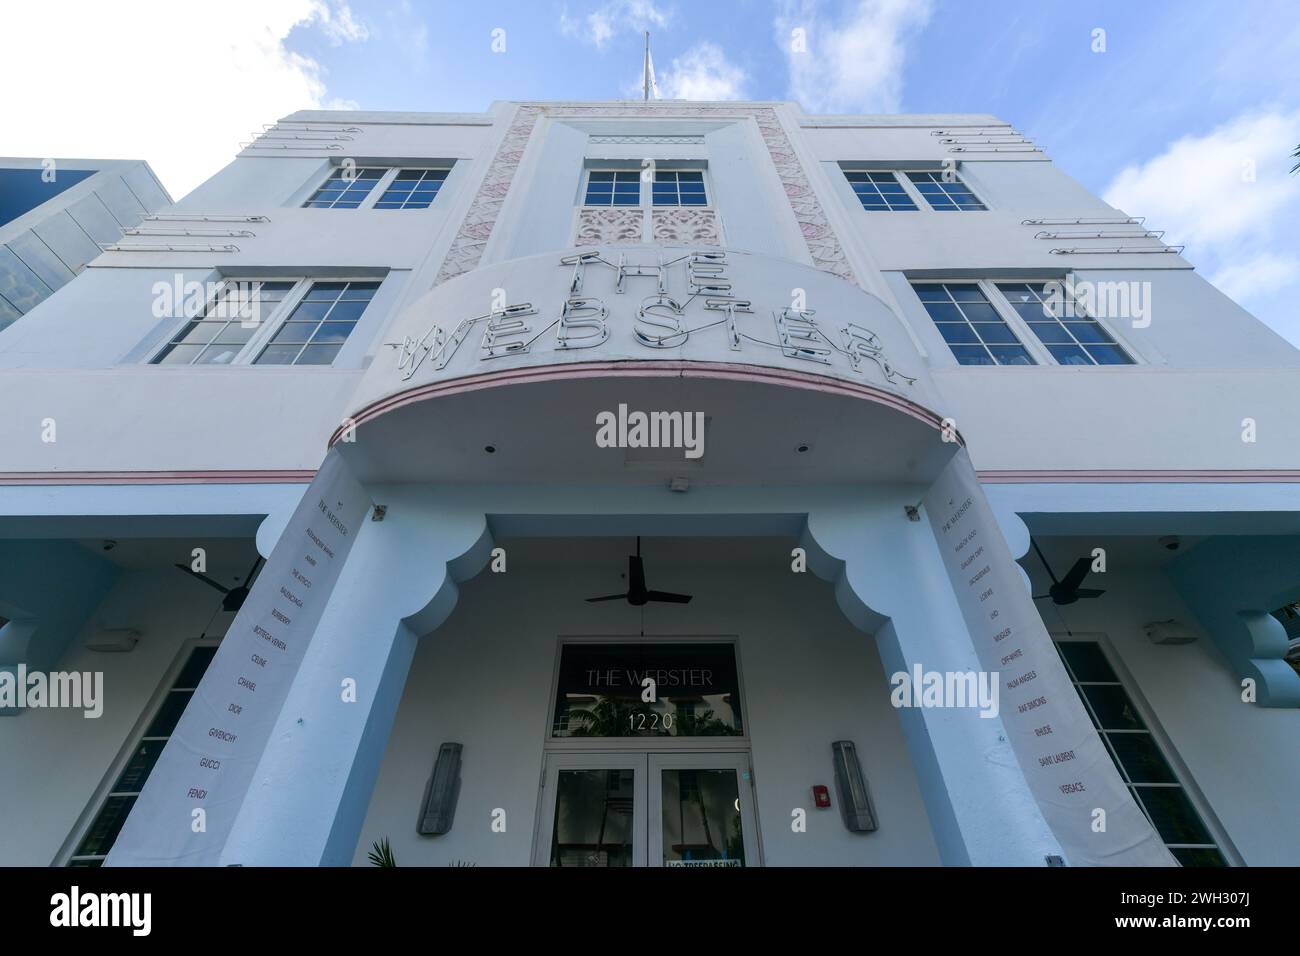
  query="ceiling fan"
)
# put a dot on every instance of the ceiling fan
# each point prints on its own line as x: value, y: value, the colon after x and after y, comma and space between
x: 234, y: 597
x: 637, y: 595
x: 1067, y: 590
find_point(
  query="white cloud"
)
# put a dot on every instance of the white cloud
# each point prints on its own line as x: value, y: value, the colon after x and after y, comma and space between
x: 1230, y: 197
x: 180, y: 85
x: 852, y: 63
x: 600, y: 25
x: 702, y: 73
x: 1257, y: 276
x: 1215, y: 189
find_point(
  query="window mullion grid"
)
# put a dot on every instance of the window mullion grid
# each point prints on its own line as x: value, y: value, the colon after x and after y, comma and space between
x: 909, y: 187
x: 378, y: 189
x: 1032, y: 343
x: 284, y: 308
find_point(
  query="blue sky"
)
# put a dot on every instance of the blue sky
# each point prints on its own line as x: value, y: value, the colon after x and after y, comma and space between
x: 1187, y: 117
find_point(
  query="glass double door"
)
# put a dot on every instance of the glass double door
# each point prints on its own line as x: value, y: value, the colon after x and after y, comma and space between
x: 638, y: 809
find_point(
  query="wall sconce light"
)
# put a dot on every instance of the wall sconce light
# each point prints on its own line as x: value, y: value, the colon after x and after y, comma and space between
x: 439, y: 807
x: 113, y: 640
x: 855, y: 801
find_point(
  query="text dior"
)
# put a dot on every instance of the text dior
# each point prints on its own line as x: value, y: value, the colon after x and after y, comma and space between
x: 635, y: 429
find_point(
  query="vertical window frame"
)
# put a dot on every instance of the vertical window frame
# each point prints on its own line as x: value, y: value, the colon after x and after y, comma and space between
x: 1004, y: 306
x: 1027, y: 340
x: 1185, y: 780
x: 290, y: 300
x: 99, y: 798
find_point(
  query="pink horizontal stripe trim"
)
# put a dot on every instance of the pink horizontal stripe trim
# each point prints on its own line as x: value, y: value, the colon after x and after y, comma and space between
x: 725, y: 371
x: 1241, y: 476
x: 155, y: 477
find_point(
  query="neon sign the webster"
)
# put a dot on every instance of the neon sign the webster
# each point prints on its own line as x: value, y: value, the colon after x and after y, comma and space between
x: 692, y: 294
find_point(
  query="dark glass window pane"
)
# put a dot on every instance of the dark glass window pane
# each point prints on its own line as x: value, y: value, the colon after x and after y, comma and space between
x: 1109, y: 355
x: 299, y: 332
x: 336, y: 332
x: 957, y: 332
x: 1069, y: 355
x: 701, y: 817
x: 1087, y: 332
x: 347, y: 310
x: 1049, y: 332
x: 108, y: 824
x: 1087, y: 662
x: 318, y: 355
x: 931, y: 293
x: 218, y: 354
x: 1011, y: 355
x: 173, y: 706
x: 1200, y: 856
x: 965, y: 292
x: 137, y: 769
x: 179, y: 355
x: 972, y: 355
x: 1113, y: 707
x: 593, y: 818
x: 980, y: 312
x: 277, y: 355
x: 195, y: 667
x: 1141, y: 759
x: 944, y: 312
x: 996, y: 333
x: 599, y: 691
x: 1174, y: 816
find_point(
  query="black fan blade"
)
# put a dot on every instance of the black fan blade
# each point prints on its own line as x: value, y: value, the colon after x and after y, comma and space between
x: 1039, y: 597
x: 204, y: 578
x: 1039, y: 551
x: 635, y: 575
x: 1089, y: 592
x: 253, y: 570
x: 667, y: 597
x: 1076, y: 574
x: 608, y: 597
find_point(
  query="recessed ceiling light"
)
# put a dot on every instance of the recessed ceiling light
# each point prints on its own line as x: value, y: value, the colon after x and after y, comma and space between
x: 803, y: 446
x: 490, y: 449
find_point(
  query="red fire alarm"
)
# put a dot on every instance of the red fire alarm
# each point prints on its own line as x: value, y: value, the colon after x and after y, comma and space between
x: 821, y: 797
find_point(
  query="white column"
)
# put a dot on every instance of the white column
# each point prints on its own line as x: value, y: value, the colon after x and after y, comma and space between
x: 890, y: 581
x: 309, y: 795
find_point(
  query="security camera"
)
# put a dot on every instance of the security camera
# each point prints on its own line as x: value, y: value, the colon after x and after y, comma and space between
x: 1171, y: 542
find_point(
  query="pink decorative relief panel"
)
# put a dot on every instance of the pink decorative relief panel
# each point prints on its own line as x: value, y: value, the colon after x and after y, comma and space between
x: 601, y: 226
x: 686, y: 227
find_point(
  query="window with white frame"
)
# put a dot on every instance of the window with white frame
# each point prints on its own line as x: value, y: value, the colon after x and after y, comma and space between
x: 270, y: 322
x: 379, y: 187
x: 879, y: 191
x: 623, y: 187
x: 1065, y: 329
x: 1016, y: 323
x: 975, y: 331
x: 678, y: 187
x: 613, y: 187
x: 895, y: 190
x: 945, y: 192
x: 1138, y: 755
x: 100, y: 835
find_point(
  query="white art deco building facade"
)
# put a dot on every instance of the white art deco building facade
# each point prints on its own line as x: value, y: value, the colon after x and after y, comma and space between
x: 938, y: 512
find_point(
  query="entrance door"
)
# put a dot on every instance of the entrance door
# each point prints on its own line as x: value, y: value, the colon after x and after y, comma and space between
x: 621, y: 809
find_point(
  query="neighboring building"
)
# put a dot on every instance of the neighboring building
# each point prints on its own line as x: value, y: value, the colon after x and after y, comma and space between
x: 57, y: 214
x: 467, y: 312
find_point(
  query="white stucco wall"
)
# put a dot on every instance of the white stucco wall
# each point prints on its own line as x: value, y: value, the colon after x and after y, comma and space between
x: 484, y: 680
